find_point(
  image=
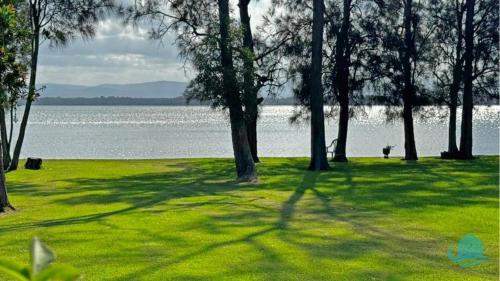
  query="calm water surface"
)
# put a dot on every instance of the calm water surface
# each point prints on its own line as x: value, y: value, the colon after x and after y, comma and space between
x: 124, y: 132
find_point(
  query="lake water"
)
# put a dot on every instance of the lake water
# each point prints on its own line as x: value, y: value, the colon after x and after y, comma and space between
x: 135, y: 132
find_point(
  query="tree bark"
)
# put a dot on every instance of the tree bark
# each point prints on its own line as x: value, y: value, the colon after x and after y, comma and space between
x: 466, y: 130
x: 250, y: 89
x: 35, y: 44
x: 318, y: 149
x: 4, y: 198
x: 3, y: 135
x: 409, y: 87
x: 342, y: 57
x: 340, y: 149
x: 455, y: 86
x: 245, y: 167
x: 252, y: 138
x: 9, y: 142
x: 452, y: 129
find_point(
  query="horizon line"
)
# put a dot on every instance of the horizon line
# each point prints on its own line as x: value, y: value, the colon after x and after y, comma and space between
x: 103, y: 84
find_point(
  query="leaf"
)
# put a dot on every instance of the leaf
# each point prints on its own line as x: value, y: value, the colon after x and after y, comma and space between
x: 41, y: 256
x: 58, y: 273
x: 15, y: 270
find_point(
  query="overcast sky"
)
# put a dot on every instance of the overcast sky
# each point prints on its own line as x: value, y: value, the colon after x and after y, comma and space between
x: 119, y: 55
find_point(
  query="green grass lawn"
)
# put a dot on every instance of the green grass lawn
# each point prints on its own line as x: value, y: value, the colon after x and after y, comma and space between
x: 370, y: 219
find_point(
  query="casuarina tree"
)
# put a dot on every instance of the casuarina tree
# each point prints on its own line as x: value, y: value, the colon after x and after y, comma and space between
x: 58, y: 22
x: 12, y: 74
x: 298, y: 34
x: 318, y: 149
x: 402, y: 61
x: 347, y: 51
x: 481, y: 62
x: 211, y: 42
x: 448, y: 60
x: 245, y: 167
x: 250, y: 81
x: 14, y: 39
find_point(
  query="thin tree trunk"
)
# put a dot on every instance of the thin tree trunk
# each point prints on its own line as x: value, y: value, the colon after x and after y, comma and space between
x: 452, y: 129
x: 11, y: 129
x: 466, y: 132
x: 4, y: 198
x: 318, y: 149
x: 410, y: 147
x: 3, y: 135
x: 35, y: 43
x: 245, y: 167
x: 455, y: 86
x: 252, y: 138
x: 409, y: 87
x: 340, y: 149
x: 250, y: 90
x: 342, y: 82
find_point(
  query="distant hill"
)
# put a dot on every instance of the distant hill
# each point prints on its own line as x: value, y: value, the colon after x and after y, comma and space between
x: 117, y: 101
x: 139, y: 101
x: 159, y: 89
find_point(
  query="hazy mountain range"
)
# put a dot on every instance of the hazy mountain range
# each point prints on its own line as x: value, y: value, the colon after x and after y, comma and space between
x: 156, y: 93
x: 158, y: 89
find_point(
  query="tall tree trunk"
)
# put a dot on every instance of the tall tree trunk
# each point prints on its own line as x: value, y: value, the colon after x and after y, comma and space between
x: 318, y: 149
x: 250, y: 89
x: 3, y: 135
x: 409, y: 87
x: 340, y: 149
x: 252, y: 137
x: 245, y: 167
x: 4, y: 198
x: 342, y: 57
x: 410, y: 147
x: 455, y: 86
x: 452, y: 127
x: 11, y: 132
x: 466, y: 132
x: 35, y: 44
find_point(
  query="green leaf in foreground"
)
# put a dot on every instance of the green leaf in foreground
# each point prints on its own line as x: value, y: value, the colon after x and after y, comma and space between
x: 41, y: 268
x: 15, y: 270
x: 58, y: 273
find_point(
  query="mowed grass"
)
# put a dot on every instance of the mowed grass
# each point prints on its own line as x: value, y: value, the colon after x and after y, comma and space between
x: 370, y: 219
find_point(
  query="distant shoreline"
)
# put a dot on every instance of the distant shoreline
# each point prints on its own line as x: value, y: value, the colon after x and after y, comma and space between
x: 178, y: 101
x: 129, y: 101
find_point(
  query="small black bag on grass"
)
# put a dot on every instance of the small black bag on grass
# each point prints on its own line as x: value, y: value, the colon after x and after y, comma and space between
x: 33, y: 163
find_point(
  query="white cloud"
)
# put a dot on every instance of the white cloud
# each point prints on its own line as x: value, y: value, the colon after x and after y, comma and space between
x: 119, y: 54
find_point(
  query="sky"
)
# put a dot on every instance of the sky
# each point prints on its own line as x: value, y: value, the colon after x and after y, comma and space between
x: 117, y: 55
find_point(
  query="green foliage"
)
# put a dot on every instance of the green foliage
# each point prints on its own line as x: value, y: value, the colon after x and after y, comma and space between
x: 41, y: 268
x: 195, y: 25
x: 13, y: 50
x: 61, y: 21
x: 204, y: 56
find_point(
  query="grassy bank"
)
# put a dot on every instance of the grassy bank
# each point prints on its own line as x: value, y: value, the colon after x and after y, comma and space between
x: 370, y: 219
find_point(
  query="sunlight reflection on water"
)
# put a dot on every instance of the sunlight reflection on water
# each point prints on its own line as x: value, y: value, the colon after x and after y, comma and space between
x: 123, y: 132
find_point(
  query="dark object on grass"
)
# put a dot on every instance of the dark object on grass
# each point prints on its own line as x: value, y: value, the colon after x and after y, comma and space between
x: 387, y: 150
x: 33, y: 163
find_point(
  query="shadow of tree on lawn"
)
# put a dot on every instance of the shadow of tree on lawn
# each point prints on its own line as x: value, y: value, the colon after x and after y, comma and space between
x: 358, y: 195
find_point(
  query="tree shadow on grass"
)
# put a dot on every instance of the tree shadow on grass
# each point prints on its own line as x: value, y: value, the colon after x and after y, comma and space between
x: 279, y: 226
x: 140, y: 192
x: 389, y: 184
x: 357, y: 194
